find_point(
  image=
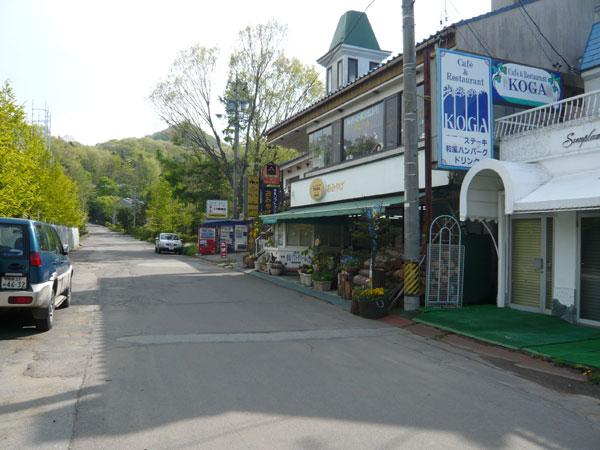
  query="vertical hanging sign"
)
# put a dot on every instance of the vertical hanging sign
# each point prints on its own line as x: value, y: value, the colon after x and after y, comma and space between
x: 465, y: 118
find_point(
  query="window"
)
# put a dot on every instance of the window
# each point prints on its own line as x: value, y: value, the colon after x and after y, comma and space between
x: 363, y: 132
x: 55, y: 245
x: 392, y: 129
x: 340, y: 74
x: 352, y: 69
x: 329, y: 234
x: 12, y: 241
x: 373, y: 65
x: 42, y: 238
x: 320, y: 146
x: 298, y: 235
x: 328, y: 80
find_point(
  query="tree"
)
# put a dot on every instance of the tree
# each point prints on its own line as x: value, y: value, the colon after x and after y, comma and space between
x: 32, y: 183
x: 272, y: 87
x: 164, y: 212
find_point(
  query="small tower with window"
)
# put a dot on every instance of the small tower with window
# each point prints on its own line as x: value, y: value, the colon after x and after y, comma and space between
x: 354, y: 51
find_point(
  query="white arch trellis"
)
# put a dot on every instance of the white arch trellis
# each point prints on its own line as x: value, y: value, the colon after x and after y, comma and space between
x: 445, y: 263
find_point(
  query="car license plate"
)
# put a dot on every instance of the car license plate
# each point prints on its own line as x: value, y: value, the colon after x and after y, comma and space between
x: 14, y: 283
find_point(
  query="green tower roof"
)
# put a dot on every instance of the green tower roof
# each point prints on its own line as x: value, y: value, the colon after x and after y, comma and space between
x: 355, y: 29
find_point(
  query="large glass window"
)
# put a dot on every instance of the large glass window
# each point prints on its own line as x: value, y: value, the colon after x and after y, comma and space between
x: 320, y: 146
x: 298, y: 235
x: 329, y: 234
x: 363, y: 132
x: 352, y: 69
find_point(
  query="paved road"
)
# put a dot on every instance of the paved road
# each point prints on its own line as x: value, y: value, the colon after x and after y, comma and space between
x: 165, y: 351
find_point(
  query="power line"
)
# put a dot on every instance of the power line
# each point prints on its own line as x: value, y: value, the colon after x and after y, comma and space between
x: 314, y: 80
x: 552, y: 61
x: 571, y: 68
x: 479, y: 39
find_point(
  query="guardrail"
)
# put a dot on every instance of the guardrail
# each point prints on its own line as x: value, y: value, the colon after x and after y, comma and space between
x: 572, y: 108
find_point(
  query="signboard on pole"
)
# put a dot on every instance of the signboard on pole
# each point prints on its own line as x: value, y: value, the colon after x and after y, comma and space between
x: 516, y: 84
x: 216, y: 209
x: 253, y: 195
x: 271, y: 175
x: 465, y: 109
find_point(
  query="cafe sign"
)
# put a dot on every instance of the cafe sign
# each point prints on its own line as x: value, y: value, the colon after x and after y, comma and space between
x: 523, y: 85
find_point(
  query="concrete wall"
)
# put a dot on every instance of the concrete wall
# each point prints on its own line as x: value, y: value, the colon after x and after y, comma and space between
x: 511, y: 35
x: 565, y: 257
x: 69, y: 236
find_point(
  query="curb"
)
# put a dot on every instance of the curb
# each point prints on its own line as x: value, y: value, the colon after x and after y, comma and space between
x: 329, y: 298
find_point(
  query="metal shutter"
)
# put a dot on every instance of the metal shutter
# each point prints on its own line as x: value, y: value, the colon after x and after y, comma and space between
x: 590, y: 268
x: 526, y: 248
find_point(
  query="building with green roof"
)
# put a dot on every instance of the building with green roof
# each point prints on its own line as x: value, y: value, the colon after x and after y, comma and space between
x: 353, y: 51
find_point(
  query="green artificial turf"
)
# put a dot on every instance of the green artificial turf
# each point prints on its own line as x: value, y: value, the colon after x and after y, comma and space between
x: 586, y: 353
x: 508, y: 327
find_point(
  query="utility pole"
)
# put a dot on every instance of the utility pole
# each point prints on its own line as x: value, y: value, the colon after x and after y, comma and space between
x: 236, y: 144
x: 412, y: 232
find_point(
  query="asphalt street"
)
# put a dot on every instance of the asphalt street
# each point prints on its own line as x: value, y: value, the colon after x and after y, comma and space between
x: 168, y: 351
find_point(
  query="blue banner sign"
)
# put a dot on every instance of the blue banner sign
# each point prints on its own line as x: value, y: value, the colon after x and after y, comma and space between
x: 516, y: 84
x: 465, y: 109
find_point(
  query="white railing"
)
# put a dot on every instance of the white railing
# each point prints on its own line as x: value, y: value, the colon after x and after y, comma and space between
x: 572, y: 108
x: 261, y: 241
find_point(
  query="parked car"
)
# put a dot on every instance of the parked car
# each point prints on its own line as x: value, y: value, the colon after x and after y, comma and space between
x: 168, y: 242
x: 35, y: 270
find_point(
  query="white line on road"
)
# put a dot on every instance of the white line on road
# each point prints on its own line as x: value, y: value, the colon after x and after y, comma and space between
x: 274, y: 336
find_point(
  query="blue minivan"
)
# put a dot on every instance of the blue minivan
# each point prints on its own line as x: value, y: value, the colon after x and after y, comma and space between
x: 35, y: 271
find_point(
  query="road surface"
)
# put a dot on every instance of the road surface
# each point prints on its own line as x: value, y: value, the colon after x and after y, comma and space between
x: 167, y: 351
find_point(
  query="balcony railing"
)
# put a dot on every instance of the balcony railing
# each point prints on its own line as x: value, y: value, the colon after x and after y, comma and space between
x: 572, y: 108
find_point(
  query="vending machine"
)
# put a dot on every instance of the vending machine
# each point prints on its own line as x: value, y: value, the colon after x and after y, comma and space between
x: 207, y: 242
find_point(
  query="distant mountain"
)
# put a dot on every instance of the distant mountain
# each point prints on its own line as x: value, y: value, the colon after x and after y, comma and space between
x: 171, y: 135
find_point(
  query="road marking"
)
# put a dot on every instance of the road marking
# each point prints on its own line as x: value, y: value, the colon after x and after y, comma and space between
x: 273, y: 336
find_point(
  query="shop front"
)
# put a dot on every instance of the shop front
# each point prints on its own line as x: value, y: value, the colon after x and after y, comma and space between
x: 544, y: 194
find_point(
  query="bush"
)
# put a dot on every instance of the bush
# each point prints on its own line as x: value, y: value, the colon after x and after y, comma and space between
x: 190, y: 249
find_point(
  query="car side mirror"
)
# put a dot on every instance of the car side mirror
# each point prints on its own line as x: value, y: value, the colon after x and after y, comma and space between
x: 66, y: 249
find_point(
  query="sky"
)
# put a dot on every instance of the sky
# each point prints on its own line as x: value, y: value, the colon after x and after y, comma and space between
x: 94, y: 63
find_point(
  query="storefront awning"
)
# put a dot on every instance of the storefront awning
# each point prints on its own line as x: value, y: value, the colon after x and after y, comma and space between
x: 332, y: 209
x: 526, y: 188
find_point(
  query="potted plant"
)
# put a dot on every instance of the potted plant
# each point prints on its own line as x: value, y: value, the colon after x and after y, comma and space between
x: 276, y: 267
x: 305, y: 271
x: 372, y: 302
x: 322, y: 280
x: 249, y: 261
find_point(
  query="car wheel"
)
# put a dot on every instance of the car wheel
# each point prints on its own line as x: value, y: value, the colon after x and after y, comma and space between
x: 67, y: 301
x: 45, y: 324
x: 159, y: 251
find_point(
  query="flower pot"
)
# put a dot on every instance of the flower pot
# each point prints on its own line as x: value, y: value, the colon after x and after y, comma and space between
x: 306, y: 279
x: 372, y: 309
x: 322, y: 285
x: 275, y: 269
x: 256, y: 265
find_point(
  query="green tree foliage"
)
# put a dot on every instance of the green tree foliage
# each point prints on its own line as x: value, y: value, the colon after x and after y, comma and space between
x: 270, y: 85
x: 165, y: 213
x: 32, y: 183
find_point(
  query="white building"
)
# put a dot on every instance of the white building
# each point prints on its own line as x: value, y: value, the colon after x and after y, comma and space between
x: 544, y: 193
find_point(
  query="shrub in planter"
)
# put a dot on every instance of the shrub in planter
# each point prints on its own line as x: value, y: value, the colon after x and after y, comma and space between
x: 275, y: 268
x: 372, y: 303
x: 322, y: 280
x: 305, y: 272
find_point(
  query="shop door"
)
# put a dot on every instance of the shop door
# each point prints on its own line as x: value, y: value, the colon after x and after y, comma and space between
x: 526, y: 263
x: 590, y: 269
